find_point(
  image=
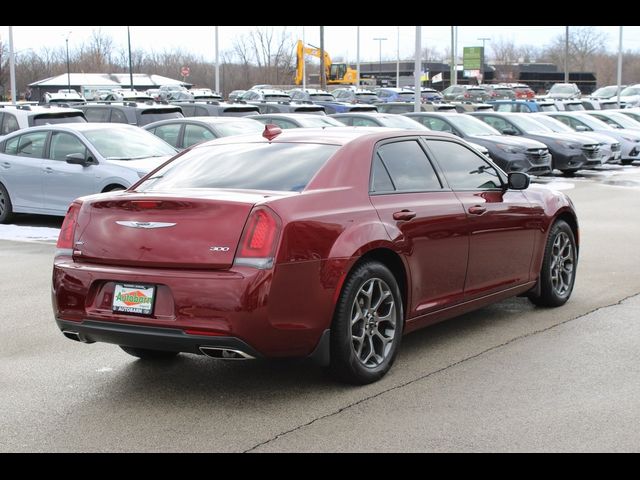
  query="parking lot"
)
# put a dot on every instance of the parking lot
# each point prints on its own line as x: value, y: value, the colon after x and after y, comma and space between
x: 509, y: 377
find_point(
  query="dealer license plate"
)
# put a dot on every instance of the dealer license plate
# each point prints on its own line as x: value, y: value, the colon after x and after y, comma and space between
x: 135, y: 299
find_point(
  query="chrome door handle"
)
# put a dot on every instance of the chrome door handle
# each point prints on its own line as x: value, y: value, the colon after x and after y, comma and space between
x: 6, y: 164
x: 477, y: 210
x: 404, y: 215
x: 48, y: 170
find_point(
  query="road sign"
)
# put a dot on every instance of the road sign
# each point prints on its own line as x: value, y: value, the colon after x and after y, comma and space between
x: 185, y: 71
x: 472, y: 58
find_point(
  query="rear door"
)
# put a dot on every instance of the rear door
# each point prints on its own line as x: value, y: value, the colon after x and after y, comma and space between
x: 425, y: 220
x: 63, y: 182
x: 21, y: 170
x: 500, y: 227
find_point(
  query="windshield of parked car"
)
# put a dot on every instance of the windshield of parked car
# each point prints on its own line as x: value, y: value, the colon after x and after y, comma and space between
x: 528, y: 125
x: 472, y: 126
x: 245, y: 166
x: 606, y: 92
x: 398, y: 121
x: 593, y: 122
x: 630, y: 91
x: 127, y: 144
x: 623, y: 120
x: 562, y: 89
x: 406, y: 96
x: 555, y: 125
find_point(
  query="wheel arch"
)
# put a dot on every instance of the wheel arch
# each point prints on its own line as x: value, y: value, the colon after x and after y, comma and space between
x: 390, y: 259
x: 572, y: 221
x: 113, y: 186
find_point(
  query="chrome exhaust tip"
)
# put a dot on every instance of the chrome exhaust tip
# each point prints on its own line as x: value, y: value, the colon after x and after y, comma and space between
x: 225, y: 353
x: 72, y: 335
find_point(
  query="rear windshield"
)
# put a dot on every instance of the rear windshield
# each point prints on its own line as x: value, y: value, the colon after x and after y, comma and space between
x: 245, y: 166
x: 150, y: 116
x: 322, y: 97
x: 49, y: 119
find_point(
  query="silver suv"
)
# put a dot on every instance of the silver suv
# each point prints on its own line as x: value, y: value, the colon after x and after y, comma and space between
x: 17, y: 117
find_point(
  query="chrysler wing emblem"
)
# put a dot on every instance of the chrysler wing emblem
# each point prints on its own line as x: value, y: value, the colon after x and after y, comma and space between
x: 134, y: 224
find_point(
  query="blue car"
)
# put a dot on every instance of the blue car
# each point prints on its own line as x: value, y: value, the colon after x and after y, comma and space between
x: 524, y: 106
x: 328, y: 101
x: 394, y: 95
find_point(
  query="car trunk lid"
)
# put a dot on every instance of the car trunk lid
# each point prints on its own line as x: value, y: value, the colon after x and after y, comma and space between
x: 198, y: 231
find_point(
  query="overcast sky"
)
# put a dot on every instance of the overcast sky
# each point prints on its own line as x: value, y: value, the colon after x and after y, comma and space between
x: 340, y: 41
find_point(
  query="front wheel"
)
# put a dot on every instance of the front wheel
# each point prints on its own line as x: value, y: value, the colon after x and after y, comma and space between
x: 367, y: 325
x: 558, y: 272
x: 147, y: 354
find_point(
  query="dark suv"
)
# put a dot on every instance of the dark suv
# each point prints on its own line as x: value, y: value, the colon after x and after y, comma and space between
x: 129, y: 112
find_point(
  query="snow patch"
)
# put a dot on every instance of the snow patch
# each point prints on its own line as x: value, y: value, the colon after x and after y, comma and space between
x: 22, y: 233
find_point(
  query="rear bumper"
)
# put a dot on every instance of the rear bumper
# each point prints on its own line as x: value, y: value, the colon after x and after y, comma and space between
x: 153, y: 338
x: 281, y: 312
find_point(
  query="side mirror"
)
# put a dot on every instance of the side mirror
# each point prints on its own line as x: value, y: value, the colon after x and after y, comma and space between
x: 519, y: 181
x: 509, y: 131
x: 78, y: 159
x: 581, y: 128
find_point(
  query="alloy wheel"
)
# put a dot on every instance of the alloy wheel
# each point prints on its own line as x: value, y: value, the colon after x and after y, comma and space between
x: 562, y: 264
x: 373, y: 322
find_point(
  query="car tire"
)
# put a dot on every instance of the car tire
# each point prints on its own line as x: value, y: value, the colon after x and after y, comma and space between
x: 569, y: 173
x: 367, y: 325
x: 626, y: 162
x: 6, y: 208
x: 147, y: 354
x: 558, y: 272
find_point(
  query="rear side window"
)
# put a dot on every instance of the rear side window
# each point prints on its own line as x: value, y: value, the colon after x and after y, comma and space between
x: 100, y: 115
x: 32, y: 144
x: 246, y: 166
x: 464, y: 169
x: 118, y: 117
x: 9, y: 124
x: 408, y: 167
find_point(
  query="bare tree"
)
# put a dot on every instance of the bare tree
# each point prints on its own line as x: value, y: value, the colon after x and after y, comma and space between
x: 504, y: 51
x: 585, y: 43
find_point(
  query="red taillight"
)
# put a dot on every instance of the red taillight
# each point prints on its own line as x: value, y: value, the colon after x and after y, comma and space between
x: 65, y: 239
x: 259, y: 239
x: 466, y: 95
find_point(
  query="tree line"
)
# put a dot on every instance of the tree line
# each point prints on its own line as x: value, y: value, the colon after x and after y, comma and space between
x: 268, y: 56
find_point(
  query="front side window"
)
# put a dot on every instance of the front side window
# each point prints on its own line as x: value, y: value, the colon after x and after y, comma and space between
x: 195, y: 134
x: 363, y: 122
x: 63, y: 144
x: 408, y: 167
x: 169, y: 133
x: 464, y: 169
x: 118, y: 117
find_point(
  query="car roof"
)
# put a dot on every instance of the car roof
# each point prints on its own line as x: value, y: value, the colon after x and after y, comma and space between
x: 209, y: 120
x: 330, y: 136
x: 75, y: 127
x: 298, y: 116
x: 37, y: 109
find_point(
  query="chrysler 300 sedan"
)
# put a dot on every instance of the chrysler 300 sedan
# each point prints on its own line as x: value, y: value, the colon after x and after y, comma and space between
x: 327, y: 243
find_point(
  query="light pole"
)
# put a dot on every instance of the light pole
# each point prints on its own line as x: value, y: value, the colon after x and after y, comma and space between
x: 483, y: 39
x: 380, y: 39
x: 130, y: 62
x: 68, y: 68
x: 566, y: 54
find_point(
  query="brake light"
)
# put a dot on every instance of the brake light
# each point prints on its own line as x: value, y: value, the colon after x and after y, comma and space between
x: 65, y: 239
x: 259, y: 239
x: 146, y: 204
x: 466, y: 95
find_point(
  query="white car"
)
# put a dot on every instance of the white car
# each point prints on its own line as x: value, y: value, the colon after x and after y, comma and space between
x: 17, y: 117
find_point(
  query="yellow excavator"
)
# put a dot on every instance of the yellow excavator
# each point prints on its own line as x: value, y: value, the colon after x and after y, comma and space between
x: 337, y: 73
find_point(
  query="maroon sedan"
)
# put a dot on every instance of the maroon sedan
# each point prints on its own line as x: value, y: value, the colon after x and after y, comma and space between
x: 329, y: 243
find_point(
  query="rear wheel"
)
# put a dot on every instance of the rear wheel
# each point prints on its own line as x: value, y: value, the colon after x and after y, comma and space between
x: 147, y: 354
x: 626, y: 162
x: 558, y: 272
x: 367, y: 325
x: 568, y: 173
x: 6, y: 209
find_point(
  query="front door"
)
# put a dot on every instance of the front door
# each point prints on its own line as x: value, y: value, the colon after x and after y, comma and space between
x: 501, y: 233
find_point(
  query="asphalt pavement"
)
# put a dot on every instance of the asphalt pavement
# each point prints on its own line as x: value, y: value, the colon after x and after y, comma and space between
x: 509, y: 377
